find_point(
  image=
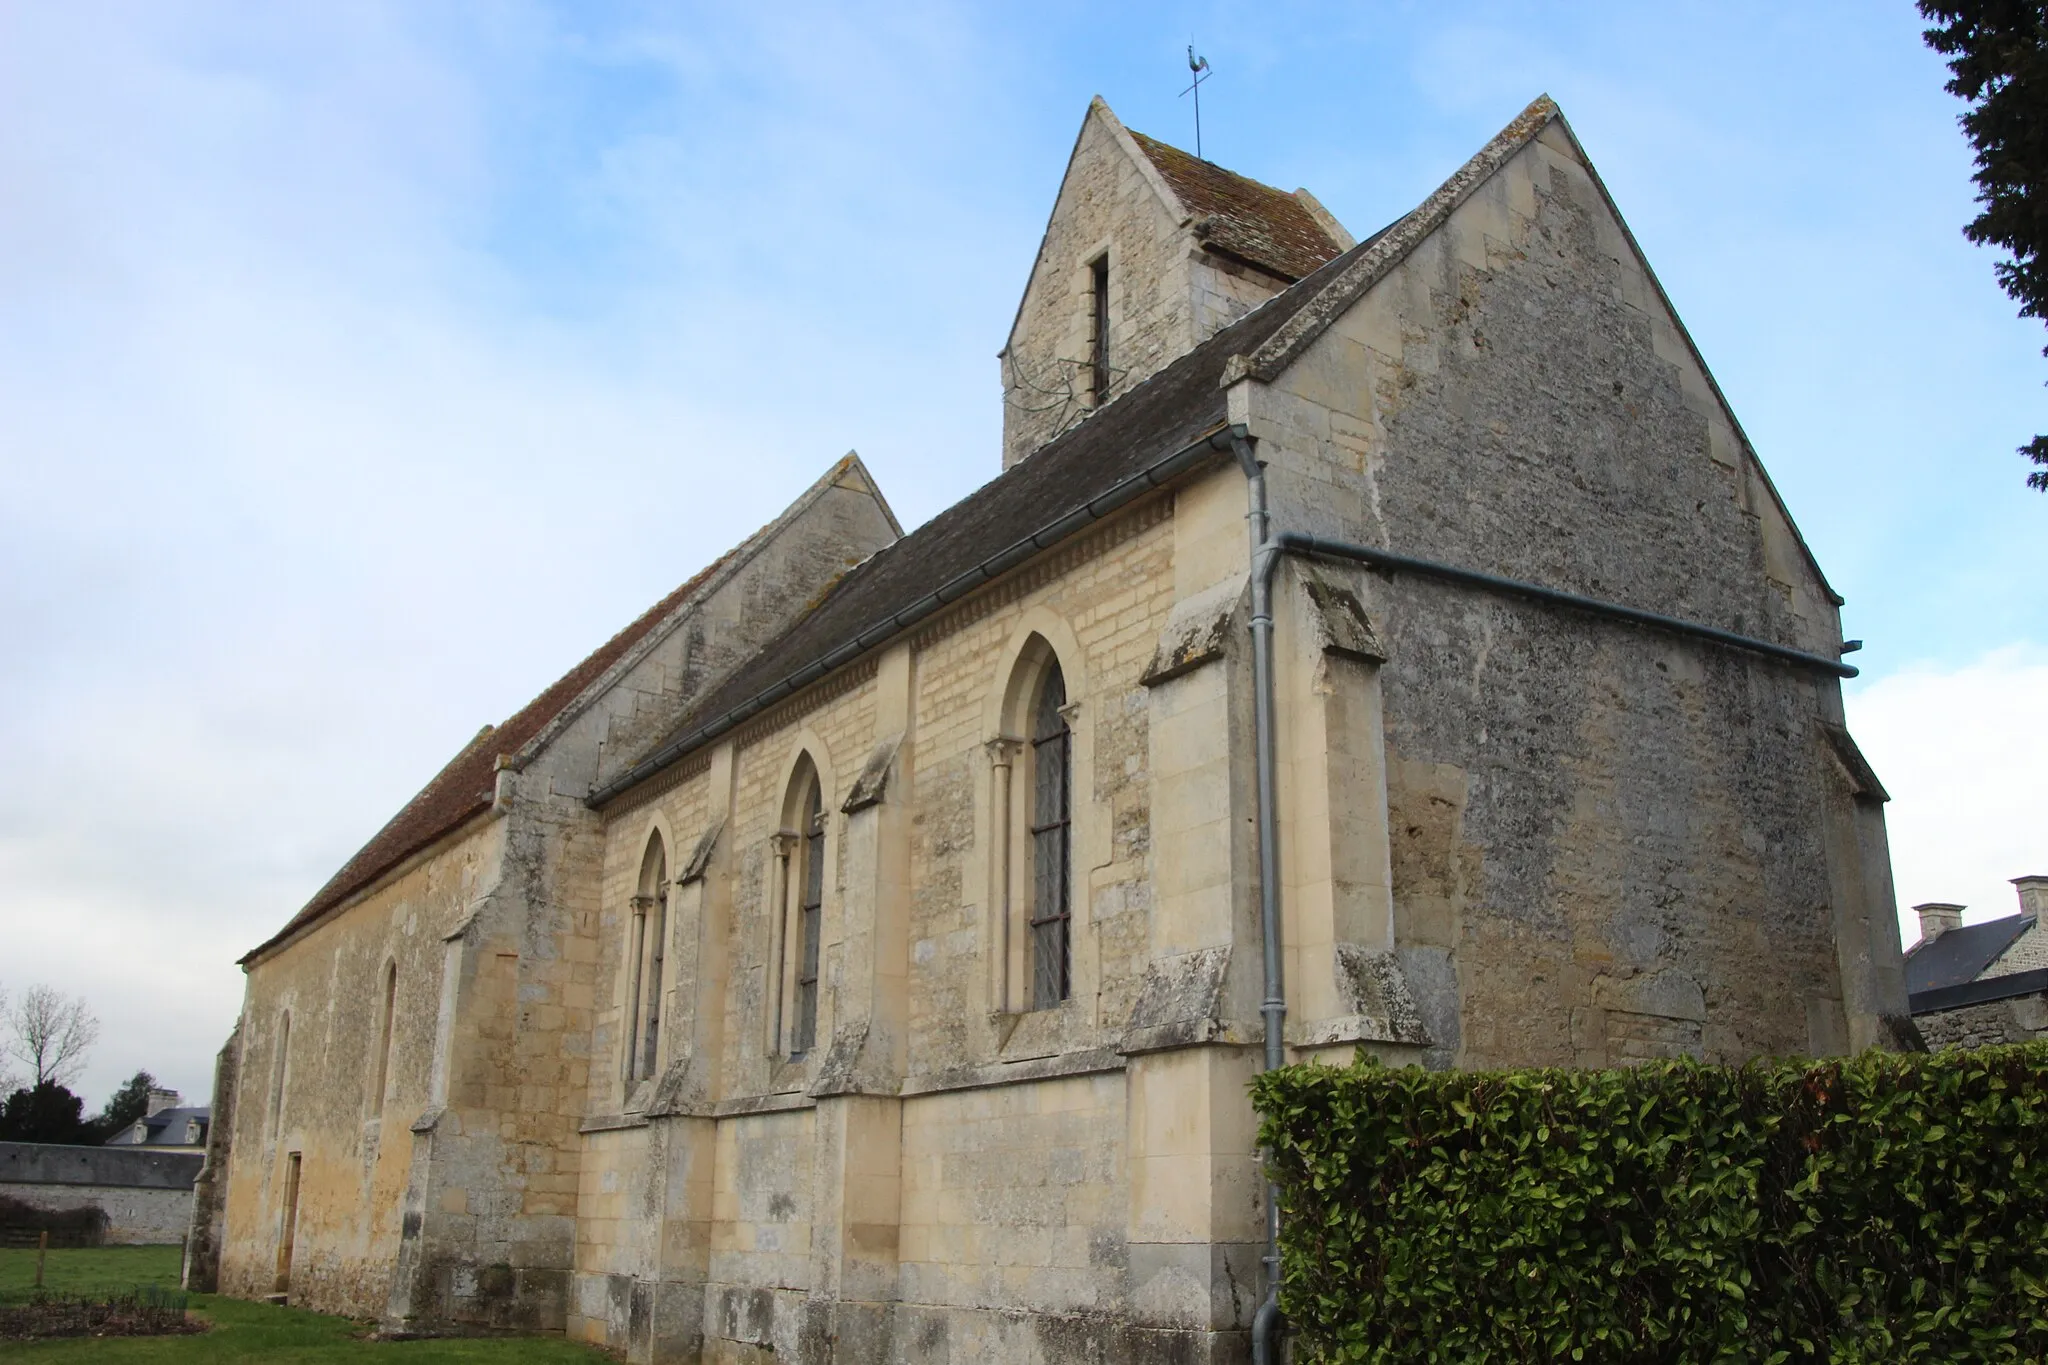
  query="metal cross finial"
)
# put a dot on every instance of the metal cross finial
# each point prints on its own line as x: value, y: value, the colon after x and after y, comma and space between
x: 1200, y: 66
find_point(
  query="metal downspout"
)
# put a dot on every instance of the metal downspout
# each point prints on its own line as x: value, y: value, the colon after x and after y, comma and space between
x: 1266, y: 1323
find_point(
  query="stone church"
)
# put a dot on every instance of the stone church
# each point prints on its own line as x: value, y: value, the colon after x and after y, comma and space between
x: 1389, y: 645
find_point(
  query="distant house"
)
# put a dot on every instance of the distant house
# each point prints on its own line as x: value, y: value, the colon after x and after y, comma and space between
x: 1972, y: 985
x: 166, y: 1123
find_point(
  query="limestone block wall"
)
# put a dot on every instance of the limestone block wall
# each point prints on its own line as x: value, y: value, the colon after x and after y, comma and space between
x: 311, y: 1021
x: 1017, y: 1195
x: 1221, y: 291
x: 1605, y: 844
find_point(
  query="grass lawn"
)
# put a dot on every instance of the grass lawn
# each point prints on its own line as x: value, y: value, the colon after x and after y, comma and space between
x: 87, y: 1270
x: 242, y: 1331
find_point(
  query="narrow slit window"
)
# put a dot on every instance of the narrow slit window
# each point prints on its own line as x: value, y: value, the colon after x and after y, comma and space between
x: 648, y: 949
x: 1051, y: 845
x: 1098, y: 341
x: 284, y: 1046
x: 384, y: 1038
x: 810, y: 917
x: 656, y: 953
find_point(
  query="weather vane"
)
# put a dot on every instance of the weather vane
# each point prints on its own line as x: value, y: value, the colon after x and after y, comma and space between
x: 1200, y: 66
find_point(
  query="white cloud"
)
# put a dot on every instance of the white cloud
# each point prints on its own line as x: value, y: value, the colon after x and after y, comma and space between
x: 1964, y: 753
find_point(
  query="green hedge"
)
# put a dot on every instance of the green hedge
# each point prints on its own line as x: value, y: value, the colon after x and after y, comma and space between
x: 1882, y: 1208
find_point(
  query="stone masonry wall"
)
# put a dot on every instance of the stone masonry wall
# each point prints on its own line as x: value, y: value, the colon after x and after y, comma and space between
x: 1011, y: 1195
x: 354, y: 1151
x: 1106, y: 203
x: 1996, y: 1022
x: 134, y: 1217
x: 1607, y: 843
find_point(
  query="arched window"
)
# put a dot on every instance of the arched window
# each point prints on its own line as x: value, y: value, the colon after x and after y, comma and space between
x: 277, y: 1068
x: 1052, y: 745
x: 650, y: 949
x: 389, y: 996
x: 803, y: 1031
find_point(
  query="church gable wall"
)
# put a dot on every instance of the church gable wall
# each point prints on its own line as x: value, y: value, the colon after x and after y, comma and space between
x: 1607, y: 843
x: 354, y: 1153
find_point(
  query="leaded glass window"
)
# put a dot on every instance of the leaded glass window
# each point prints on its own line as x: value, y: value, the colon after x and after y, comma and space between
x: 809, y: 923
x: 1051, y: 844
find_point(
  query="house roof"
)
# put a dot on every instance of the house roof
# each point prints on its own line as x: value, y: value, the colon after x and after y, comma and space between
x: 1961, y: 955
x: 166, y: 1127
x: 1237, y: 215
x: 463, y: 789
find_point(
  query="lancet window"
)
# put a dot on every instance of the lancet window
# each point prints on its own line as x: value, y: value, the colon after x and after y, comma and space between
x: 1052, y: 748
x: 386, y: 1021
x: 1098, y: 324
x: 650, y: 949
x: 809, y: 921
x: 278, y: 1065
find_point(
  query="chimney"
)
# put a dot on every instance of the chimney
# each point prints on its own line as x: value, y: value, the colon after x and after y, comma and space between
x: 2033, y: 895
x: 1937, y: 918
x: 160, y: 1100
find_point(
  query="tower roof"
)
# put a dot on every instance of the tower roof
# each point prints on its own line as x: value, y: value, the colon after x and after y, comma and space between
x: 1276, y: 231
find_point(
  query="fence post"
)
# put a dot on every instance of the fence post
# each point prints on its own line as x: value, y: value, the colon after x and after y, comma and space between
x: 42, y: 1250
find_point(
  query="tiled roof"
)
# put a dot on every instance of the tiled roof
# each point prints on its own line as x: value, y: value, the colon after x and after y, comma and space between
x: 1256, y: 223
x: 1960, y: 955
x: 463, y: 789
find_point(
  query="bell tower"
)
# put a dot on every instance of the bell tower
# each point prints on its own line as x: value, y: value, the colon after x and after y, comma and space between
x: 1149, y: 252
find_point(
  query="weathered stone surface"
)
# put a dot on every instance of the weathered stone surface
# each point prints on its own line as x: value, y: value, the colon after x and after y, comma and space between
x: 1199, y: 630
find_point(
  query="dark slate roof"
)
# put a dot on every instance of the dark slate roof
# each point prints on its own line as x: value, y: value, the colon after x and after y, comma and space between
x: 166, y: 1127
x: 147, y: 1168
x: 463, y: 789
x: 1256, y: 223
x: 1961, y: 955
x: 1983, y: 991
x: 1165, y: 413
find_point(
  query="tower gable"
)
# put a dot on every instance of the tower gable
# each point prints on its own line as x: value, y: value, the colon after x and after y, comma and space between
x: 1149, y: 251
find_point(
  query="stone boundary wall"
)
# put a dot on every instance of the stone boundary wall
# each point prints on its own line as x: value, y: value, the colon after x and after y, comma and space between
x: 146, y: 1195
x: 2020, y: 1019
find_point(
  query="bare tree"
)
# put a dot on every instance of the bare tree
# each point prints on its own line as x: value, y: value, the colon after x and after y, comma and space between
x: 8, y: 1080
x: 51, y: 1033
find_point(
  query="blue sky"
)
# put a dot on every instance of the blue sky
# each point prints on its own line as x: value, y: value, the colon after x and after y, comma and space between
x: 363, y: 366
